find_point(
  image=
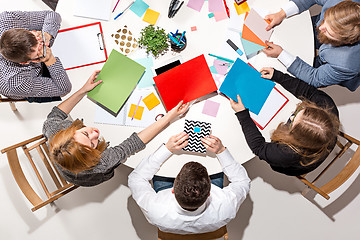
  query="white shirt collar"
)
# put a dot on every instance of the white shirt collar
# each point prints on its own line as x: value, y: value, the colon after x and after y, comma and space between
x: 198, y: 211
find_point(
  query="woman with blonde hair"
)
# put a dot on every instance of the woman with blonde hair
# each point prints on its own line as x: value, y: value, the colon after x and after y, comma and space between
x: 302, y: 143
x: 79, y: 154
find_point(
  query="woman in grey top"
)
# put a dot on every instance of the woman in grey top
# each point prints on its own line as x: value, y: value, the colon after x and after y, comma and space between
x: 78, y: 153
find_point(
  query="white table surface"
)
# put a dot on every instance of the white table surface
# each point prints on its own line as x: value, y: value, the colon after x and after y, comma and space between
x: 294, y: 34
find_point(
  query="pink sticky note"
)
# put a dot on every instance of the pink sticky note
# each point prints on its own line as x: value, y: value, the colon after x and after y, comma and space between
x: 196, y: 4
x: 221, y: 66
x: 211, y: 108
x: 220, y: 16
x: 193, y: 28
x: 215, y: 5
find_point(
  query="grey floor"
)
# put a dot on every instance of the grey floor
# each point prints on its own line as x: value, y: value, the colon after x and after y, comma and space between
x: 274, y: 208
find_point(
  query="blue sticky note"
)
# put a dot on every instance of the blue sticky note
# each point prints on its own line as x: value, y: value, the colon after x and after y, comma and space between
x: 139, y: 7
x: 245, y: 81
x: 147, y: 78
x: 197, y: 129
x: 213, y: 69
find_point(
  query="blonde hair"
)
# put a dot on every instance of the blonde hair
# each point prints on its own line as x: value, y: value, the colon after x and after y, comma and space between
x: 344, y: 19
x: 313, y: 134
x: 72, y: 155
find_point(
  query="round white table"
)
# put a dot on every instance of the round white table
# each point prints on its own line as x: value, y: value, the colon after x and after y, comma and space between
x: 294, y: 34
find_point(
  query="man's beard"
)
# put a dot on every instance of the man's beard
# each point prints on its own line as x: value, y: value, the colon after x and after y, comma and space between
x: 323, y: 39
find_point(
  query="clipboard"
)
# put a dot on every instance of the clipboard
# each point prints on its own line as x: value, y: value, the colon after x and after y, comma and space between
x: 80, y: 46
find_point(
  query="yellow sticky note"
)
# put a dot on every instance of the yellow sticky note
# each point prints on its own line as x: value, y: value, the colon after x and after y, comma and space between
x: 151, y: 101
x: 151, y: 16
x: 242, y: 8
x: 139, y: 112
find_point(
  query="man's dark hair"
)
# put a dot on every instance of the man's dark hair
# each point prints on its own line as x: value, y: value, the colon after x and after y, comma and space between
x: 192, y: 186
x: 16, y: 45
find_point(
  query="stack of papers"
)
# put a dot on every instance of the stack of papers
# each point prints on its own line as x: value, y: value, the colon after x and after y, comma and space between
x: 254, y: 35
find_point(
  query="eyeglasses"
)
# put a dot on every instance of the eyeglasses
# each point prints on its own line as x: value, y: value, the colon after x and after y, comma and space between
x: 44, y: 49
x: 293, y: 116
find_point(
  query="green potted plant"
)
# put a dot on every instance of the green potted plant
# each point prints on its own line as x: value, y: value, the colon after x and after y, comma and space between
x: 155, y: 40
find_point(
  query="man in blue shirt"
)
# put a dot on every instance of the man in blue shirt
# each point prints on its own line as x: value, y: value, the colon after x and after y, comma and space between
x: 338, y: 35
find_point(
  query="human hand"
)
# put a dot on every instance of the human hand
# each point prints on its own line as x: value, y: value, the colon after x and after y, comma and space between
x: 267, y: 72
x: 49, y: 58
x: 177, y: 142
x: 90, y: 84
x: 178, y: 110
x: 213, y: 144
x: 237, y: 106
x: 47, y: 39
x: 273, y: 50
x: 275, y: 19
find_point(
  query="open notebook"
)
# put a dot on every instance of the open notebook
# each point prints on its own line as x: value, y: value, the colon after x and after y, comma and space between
x: 143, y: 116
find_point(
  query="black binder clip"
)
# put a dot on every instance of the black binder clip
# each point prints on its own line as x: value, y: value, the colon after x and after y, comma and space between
x: 174, y: 7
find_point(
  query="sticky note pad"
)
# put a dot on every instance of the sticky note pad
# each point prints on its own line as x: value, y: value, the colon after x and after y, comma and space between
x: 242, y: 8
x: 139, y: 112
x: 151, y: 16
x: 151, y: 101
x: 139, y: 7
x: 211, y: 108
x: 196, y: 4
x: 220, y: 16
x: 193, y: 28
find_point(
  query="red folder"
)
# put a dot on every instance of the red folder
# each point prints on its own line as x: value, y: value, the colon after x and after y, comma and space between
x: 186, y: 82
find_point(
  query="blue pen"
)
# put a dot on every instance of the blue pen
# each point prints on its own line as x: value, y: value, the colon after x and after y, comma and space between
x: 124, y: 10
x: 182, y: 35
x: 173, y: 38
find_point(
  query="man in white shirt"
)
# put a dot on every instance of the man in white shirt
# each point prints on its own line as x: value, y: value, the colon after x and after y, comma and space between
x: 337, y: 35
x: 193, y: 205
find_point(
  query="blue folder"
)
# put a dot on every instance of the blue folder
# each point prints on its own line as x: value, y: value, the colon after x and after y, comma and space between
x: 245, y: 81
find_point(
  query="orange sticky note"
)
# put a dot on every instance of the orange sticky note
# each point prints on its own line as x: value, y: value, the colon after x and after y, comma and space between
x: 242, y: 8
x: 151, y: 16
x: 138, y: 113
x: 151, y: 101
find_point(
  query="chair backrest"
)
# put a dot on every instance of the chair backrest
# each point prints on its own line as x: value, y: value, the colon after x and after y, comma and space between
x: 11, y: 102
x: 344, y: 174
x: 221, y: 232
x: 61, y: 186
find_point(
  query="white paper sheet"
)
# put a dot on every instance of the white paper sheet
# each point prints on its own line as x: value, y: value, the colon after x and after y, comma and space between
x: 271, y: 107
x: 79, y: 46
x: 93, y: 9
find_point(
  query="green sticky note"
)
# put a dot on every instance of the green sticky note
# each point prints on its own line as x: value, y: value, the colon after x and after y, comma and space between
x: 211, y: 15
x: 120, y: 75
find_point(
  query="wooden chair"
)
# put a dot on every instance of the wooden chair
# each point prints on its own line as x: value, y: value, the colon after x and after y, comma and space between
x: 343, y: 175
x: 221, y: 232
x: 38, y: 143
x: 11, y: 102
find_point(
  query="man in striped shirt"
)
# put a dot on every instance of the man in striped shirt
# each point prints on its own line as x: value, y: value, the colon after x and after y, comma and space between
x: 28, y: 69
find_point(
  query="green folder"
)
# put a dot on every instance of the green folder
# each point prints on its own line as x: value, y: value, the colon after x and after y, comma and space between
x: 120, y: 75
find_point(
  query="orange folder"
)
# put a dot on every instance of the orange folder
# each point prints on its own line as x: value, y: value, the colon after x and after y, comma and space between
x: 186, y: 82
